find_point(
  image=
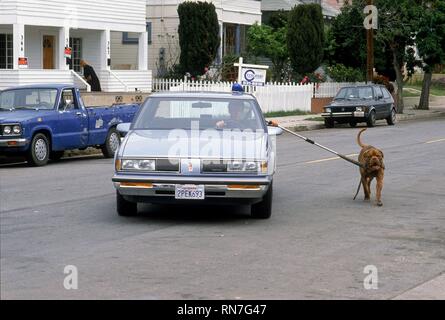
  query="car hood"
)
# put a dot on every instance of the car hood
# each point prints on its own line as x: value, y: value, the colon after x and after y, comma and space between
x: 222, y: 144
x: 22, y: 115
x: 349, y: 103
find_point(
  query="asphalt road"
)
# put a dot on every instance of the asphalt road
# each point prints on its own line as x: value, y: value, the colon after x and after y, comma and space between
x: 315, y: 246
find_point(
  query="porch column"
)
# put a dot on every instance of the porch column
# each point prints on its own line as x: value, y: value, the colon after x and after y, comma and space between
x: 105, y: 50
x: 238, y: 39
x: 221, y: 43
x: 143, y: 51
x: 64, y: 42
x: 18, y: 39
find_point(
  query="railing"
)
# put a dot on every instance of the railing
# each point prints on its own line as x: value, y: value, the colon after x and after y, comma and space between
x: 118, y: 79
x: 78, y: 77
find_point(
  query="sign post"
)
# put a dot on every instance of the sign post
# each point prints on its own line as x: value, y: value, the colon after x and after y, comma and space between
x: 251, y: 74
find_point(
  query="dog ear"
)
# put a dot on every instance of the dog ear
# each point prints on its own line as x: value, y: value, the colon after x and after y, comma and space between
x: 381, y: 154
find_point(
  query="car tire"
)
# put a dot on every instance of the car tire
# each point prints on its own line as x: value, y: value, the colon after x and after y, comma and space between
x: 112, y: 143
x: 371, y: 119
x: 263, y: 209
x: 353, y: 124
x: 391, y: 120
x: 39, y: 151
x: 56, y: 155
x: 329, y: 123
x: 125, y: 208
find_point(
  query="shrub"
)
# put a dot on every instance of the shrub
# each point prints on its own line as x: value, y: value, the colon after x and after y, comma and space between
x: 341, y: 73
x: 198, y: 36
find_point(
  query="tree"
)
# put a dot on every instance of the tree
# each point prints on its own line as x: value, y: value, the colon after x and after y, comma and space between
x: 305, y: 38
x: 397, y: 26
x: 430, y: 41
x: 198, y: 36
x: 269, y: 42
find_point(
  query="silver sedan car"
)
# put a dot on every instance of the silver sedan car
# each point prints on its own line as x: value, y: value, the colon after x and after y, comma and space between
x: 189, y: 147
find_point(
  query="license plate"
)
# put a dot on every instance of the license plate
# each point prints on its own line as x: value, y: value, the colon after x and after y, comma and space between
x: 359, y: 114
x: 189, y: 191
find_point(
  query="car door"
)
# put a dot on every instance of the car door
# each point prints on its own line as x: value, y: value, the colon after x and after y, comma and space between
x: 73, y: 121
x: 380, y: 105
x: 389, y: 102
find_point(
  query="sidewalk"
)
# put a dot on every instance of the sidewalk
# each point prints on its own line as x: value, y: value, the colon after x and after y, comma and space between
x: 301, y: 123
x: 430, y: 290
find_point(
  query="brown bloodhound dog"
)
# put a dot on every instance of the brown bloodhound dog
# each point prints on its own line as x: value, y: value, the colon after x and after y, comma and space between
x: 371, y: 159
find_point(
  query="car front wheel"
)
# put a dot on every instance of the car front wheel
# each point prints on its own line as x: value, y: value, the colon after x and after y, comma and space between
x: 111, y: 144
x: 38, y: 153
x: 124, y: 207
x: 263, y: 209
x: 329, y: 123
x: 371, y: 119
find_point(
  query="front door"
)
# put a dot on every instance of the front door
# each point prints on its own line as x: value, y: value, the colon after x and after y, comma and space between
x: 48, y: 52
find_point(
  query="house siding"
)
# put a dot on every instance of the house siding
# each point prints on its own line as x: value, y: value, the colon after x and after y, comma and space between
x: 122, y: 15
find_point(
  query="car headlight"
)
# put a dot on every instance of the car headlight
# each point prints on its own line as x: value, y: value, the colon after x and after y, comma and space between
x: 359, y: 109
x: 17, y: 129
x: 243, y: 166
x: 7, y: 130
x: 138, y: 164
x: 327, y: 109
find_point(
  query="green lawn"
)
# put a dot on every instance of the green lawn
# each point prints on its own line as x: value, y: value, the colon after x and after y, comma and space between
x: 276, y: 114
x: 436, y: 90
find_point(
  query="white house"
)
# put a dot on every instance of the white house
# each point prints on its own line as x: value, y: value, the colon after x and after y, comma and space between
x: 37, y: 35
x: 234, y: 17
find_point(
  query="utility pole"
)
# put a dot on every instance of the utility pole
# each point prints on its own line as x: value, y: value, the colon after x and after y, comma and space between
x: 370, y: 50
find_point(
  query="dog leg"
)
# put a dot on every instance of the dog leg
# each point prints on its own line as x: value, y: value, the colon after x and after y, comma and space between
x: 379, y: 188
x: 366, y: 189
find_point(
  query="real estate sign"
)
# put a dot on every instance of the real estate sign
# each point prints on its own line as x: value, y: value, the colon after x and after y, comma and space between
x: 252, y: 76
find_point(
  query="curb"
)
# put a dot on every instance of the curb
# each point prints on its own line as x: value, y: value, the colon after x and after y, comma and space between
x: 400, y: 117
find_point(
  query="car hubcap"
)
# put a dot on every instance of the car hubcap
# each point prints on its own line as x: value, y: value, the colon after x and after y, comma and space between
x: 114, y: 142
x: 40, y: 149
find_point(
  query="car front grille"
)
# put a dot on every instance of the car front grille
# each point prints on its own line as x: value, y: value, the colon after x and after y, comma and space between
x: 343, y: 109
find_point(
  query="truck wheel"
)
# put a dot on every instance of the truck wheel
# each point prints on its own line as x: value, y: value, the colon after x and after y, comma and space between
x: 125, y: 208
x: 391, y: 120
x: 371, y: 119
x: 263, y: 209
x: 39, y: 150
x: 112, y: 143
x: 56, y: 155
x: 329, y: 123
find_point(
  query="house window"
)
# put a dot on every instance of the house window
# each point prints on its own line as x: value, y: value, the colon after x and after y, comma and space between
x: 6, y: 51
x: 76, y: 53
x: 131, y: 38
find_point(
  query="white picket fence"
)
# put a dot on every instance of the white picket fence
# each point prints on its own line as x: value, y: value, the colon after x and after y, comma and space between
x: 330, y: 89
x: 271, y: 97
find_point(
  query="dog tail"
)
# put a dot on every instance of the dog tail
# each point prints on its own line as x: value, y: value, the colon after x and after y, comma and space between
x: 359, y: 140
x: 358, y: 188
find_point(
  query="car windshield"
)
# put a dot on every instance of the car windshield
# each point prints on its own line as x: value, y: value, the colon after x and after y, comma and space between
x: 363, y: 93
x: 199, y: 113
x: 19, y: 99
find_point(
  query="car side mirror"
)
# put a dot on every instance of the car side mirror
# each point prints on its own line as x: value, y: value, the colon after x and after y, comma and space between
x: 123, y: 128
x: 274, y: 131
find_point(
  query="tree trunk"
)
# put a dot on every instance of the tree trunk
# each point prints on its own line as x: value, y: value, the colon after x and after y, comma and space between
x: 399, y: 79
x: 424, y: 103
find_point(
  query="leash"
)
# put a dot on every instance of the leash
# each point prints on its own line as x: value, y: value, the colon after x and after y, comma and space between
x: 275, y: 124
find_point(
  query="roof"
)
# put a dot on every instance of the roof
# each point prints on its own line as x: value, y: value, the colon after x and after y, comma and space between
x: 330, y: 8
x: 202, y: 94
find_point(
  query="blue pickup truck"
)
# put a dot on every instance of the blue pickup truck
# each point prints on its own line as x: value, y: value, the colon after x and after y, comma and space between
x: 40, y: 122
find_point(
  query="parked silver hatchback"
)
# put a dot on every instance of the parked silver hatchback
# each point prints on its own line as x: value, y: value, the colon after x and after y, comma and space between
x: 196, y: 148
